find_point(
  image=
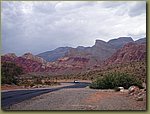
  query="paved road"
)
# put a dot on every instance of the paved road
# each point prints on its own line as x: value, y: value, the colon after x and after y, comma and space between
x: 11, y: 97
x: 80, y: 99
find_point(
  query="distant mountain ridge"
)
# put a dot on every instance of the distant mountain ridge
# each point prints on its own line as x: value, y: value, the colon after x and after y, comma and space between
x: 73, y: 60
x: 119, y: 42
x: 100, y: 51
x: 142, y: 40
x: 54, y: 54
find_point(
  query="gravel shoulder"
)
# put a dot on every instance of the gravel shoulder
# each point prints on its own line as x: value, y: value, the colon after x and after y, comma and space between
x: 81, y: 99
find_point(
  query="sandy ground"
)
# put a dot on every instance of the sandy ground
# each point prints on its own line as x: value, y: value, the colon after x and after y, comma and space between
x: 82, y: 99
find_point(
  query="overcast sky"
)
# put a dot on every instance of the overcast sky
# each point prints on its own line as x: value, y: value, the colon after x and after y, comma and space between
x: 41, y: 26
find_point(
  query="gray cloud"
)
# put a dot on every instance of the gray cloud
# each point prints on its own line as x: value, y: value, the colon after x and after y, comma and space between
x: 137, y: 9
x: 132, y: 8
x: 114, y: 4
x: 41, y: 26
x: 45, y: 8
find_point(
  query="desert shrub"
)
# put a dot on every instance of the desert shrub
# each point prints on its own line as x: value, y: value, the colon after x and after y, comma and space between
x: 116, y: 79
x: 10, y: 71
x: 38, y: 81
x: 26, y: 83
x: 51, y: 83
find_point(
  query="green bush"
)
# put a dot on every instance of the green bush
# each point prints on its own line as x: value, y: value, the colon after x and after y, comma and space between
x: 10, y: 71
x: 113, y: 80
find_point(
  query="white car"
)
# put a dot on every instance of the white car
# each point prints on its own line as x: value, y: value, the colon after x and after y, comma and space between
x: 75, y: 81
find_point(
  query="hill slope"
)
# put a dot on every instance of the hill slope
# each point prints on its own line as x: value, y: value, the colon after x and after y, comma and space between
x: 130, y: 52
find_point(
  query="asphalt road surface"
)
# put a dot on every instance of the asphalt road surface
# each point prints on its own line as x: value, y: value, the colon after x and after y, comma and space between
x: 12, y: 97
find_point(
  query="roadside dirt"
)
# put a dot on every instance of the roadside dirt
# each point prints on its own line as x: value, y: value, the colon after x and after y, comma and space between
x: 11, y: 87
x: 97, y: 96
x: 82, y: 99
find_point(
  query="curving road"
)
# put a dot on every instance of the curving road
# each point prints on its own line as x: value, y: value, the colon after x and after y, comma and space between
x: 11, y: 97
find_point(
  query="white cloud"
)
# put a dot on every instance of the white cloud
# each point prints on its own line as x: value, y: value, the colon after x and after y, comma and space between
x: 40, y: 26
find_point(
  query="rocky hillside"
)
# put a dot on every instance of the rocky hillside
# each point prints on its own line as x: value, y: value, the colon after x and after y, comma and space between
x: 30, y: 56
x: 32, y: 63
x: 27, y: 64
x: 128, y: 53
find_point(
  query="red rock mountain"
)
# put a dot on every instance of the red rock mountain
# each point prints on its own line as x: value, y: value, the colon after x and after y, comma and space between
x: 32, y: 63
x: 128, y: 53
x: 28, y: 65
x: 30, y: 56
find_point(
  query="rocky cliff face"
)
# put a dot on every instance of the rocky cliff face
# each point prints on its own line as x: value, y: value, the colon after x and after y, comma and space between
x: 27, y: 64
x: 11, y: 55
x: 128, y: 53
x: 97, y: 53
x: 32, y: 63
x: 30, y: 56
x: 102, y: 50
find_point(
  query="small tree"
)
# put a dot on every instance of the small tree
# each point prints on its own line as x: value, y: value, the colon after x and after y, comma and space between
x: 10, y: 71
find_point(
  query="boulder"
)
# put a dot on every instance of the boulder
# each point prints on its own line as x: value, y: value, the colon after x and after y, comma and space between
x: 144, y: 86
x: 133, y: 90
x: 139, y: 98
x: 121, y: 89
